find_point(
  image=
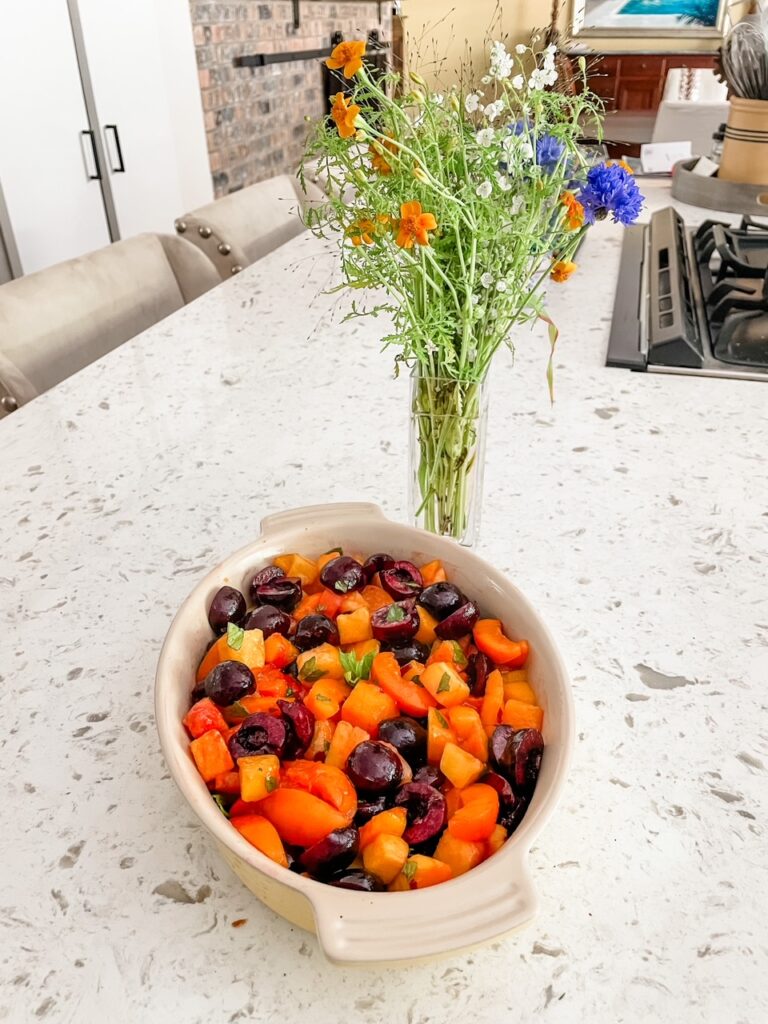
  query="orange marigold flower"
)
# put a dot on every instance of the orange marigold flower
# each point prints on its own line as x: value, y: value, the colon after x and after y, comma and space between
x: 345, y: 115
x: 361, y: 232
x: 347, y: 55
x: 562, y: 270
x: 574, y: 211
x: 414, y: 225
x: 378, y: 157
x: 379, y: 162
x: 620, y: 163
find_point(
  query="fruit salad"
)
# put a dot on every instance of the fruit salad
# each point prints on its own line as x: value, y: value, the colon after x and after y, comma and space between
x: 360, y: 722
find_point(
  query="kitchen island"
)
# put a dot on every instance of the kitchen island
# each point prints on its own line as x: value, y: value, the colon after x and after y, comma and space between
x: 633, y: 513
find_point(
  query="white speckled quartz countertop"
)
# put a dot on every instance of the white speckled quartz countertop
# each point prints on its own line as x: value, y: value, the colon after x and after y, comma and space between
x: 634, y: 514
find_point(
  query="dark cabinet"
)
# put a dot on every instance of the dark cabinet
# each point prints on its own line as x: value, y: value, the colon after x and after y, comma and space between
x: 634, y: 82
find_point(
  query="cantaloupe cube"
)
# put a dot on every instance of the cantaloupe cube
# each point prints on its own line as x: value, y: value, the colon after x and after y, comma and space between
x: 355, y: 626
x: 444, y: 683
x: 319, y: 662
x: 368, y: 705
x: 385, y: 857
x: 461, y: 855
x: 522, y: 716
x: 439, y: 732
x: 496, y: 839
x: 459, y: 767
x: 259, y: 776
x: 345, y: 738
x: 211, y: 754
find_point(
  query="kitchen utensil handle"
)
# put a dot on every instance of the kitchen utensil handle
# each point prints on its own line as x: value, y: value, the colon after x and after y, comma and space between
x: 120, y: 169
x: 311, y: 514
x: 389, y: 928
x: 97, y: 176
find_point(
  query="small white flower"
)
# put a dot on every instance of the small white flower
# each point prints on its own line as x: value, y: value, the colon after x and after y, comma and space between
x: 486, y: 79
x: 486, y: 280
x: 494, y: 314
x: 501, y: 286
x: 476, y: 299
x: 536, y: 81
x: 517, y: 204
x: 518, y: 82
x: 503, y: 181
x: 486, y: 137
x: 551, y: 49
x: 431, y: 348
x: 521, y: 48
x: 526, y: 150
x: 438, y: 99
x: 484, y: 190
x: 493, y: 110
x: 501, y: 61
x: 471, y: 103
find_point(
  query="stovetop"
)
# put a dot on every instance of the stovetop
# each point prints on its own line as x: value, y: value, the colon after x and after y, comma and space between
x: 692, y: 301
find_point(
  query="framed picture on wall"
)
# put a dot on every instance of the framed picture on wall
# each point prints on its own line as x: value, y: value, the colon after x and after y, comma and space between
x: 692, y: 18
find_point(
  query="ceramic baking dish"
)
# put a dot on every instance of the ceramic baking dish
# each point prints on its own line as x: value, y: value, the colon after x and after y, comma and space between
x: 494, y: 898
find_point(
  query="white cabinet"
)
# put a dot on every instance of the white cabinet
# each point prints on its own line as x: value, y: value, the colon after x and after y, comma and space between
x: 106, y: 137
x: 47, y: 166
x: 127, y: 58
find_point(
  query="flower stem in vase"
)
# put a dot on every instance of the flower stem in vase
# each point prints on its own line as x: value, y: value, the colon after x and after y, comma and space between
x: 448, y: 423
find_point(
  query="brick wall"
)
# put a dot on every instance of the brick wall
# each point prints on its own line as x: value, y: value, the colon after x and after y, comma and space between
x: 255, y: 117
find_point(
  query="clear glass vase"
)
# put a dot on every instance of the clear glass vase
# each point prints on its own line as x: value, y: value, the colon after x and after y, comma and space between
x: 447, y: 455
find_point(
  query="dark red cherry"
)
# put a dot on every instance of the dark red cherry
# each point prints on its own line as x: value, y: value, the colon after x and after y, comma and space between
x: 402, y: 581
x: 426, y: 811
x: 343, y: 575
x: 458, y: 623
x: 262, y: 576
x: 228, y: 605
x: 395, y: 623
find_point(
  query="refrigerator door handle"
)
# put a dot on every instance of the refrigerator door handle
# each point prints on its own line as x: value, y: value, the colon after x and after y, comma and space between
x: 96, y: 176
x: 120, y: 169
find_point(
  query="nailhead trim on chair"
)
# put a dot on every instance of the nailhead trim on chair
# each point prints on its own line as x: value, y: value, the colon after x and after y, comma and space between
x: 225, y: 248
x: 181, y: 226
x: 204, y: 231
x: 236, y: 269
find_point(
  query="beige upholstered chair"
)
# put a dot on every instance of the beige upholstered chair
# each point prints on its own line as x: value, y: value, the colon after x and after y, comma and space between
x: 59, y: 320
x: 240, y: 228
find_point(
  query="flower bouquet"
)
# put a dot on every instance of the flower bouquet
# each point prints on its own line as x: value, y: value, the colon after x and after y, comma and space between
x: 456, y: 208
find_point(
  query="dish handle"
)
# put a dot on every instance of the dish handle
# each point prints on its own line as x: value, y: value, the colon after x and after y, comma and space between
x: 309, y: 515
x: 393, y: 928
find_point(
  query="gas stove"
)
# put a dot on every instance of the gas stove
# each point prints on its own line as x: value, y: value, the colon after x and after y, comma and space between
x: 692, y: 301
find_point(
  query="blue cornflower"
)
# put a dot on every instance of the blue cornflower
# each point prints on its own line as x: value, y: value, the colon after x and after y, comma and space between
x: 610, y: 189
x: 549, y: 150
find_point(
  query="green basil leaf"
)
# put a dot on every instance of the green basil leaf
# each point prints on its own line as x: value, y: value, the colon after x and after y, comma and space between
x: 366, y: 665
x: 458, y: 654
x: 409, y: 870
x: 356, y: 669
x: 322, y: 696
x: 442, y: 719
x: 219, y: 801
x: 417, y: 679
x: 290, y: 692
x: 237, y: 710
x: 309, y: 672
x: 444, y: 684
x: 395, y: 613
x: 235, y: 636
x: 326, y: 745
x: 271, y: 784
x: 330, y: 551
